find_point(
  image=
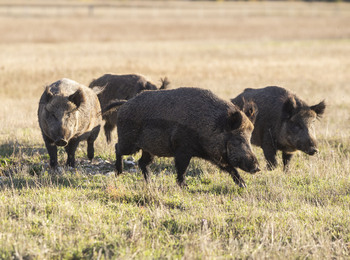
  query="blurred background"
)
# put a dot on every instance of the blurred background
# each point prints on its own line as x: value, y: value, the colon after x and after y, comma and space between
x: 225, y: 46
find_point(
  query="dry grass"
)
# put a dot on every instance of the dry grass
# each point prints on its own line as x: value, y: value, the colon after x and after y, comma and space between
x: 224, y: 47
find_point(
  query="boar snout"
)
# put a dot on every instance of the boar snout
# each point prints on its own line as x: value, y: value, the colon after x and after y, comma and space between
x: 310, y: 148
x: 312, y: 151
x: 257, y: 169
x: 61, y: 142
x: 254, y: 167
x: 250, y: 165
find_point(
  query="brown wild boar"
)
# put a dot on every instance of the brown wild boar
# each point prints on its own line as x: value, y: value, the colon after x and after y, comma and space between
x: 283, y: 123
x: 184, y: 123
x: 121, y: 87
x: 69, y: 113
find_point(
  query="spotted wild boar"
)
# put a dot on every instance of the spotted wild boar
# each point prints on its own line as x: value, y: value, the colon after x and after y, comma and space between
x: 284, y: 122
x: 121, y: 87
x: 184, y: 123
x: 69, y: 113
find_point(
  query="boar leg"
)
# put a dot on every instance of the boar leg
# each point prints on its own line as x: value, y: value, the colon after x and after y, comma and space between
x: 118, y: 161
x: 108, y: 127
x: 52, y: 150
x: 182, y: 161
x: 286, y: 157
x: 269, y: 148
x: 70, y: 150
x: 90, y: 149
x: 270, y: 156
x: 145, y: 160
x: 90, y: 142
x: 235, y: 176
x: 121, y: 149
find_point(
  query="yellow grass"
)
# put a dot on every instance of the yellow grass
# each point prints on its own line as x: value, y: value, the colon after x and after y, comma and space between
x: 224, y: 47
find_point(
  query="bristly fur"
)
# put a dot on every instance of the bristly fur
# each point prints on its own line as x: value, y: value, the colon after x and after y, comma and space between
x: 122, y: 87
x: 68, y: 113
x: 185, y: 123
x: 282, y: 123
x: 112, y: 106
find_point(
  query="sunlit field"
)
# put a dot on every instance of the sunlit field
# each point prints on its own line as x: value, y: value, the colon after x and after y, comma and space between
x: 226, y: 47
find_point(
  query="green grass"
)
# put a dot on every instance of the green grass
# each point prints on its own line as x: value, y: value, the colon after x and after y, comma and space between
x: 84, y: 213
x: 75, y: 215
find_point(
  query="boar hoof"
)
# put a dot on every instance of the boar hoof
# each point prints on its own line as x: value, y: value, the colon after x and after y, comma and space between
x: 270, y: 167
x: 116, y: 173
x: 182, y: 184
x: 286, y: 168
x: 241, y: 184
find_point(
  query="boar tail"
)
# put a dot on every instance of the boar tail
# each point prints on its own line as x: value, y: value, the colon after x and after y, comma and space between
x: 165, y: 83
x: 112, y: 106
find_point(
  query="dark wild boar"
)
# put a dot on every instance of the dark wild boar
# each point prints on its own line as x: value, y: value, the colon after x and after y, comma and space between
x: 185, y: 123
x: 69, y: 113
x: 283, y: 123
x: 121, y: 87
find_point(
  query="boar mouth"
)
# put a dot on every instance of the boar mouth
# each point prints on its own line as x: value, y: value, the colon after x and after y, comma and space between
x: 312, y: 151
x: 257, y: 169
x: 250, y: 168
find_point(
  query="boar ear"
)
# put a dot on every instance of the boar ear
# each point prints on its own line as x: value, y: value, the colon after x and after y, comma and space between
x: 77, y: 97
x: 165, y: 82
x: 48, y: 94
x: 319, y: 108
x: 250, y: 109
x: 234, y: 120
x: 288, y: 108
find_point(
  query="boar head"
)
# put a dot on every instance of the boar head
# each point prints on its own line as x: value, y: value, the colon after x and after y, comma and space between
x: 238, y: 146
x: 297, y: 125
x: 61, y: 116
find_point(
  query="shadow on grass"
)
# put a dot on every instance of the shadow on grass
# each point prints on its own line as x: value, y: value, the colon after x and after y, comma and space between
x: 217, y: 189
x: 53, y: 181
x: 14, y: 153
x: 23, y: 165
x: 15, y: 156
x: 166, y: 165
x: 13, y: 149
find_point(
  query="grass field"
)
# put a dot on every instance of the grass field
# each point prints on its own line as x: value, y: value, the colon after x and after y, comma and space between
x: 221, y: 46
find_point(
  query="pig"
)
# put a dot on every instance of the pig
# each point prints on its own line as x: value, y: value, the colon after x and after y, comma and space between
x: 184, y: 123
x: 69, y: 113
x: 283, y: 123
x: 121, y: 87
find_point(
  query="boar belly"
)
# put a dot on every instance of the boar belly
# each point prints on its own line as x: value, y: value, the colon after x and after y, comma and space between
x: 156, y: 141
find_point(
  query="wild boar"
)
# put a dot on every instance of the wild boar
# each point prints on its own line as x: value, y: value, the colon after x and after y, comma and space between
x: 121, y: 87
x: 184, y: 123
x: 283, y: 123
x: 69, y: 113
